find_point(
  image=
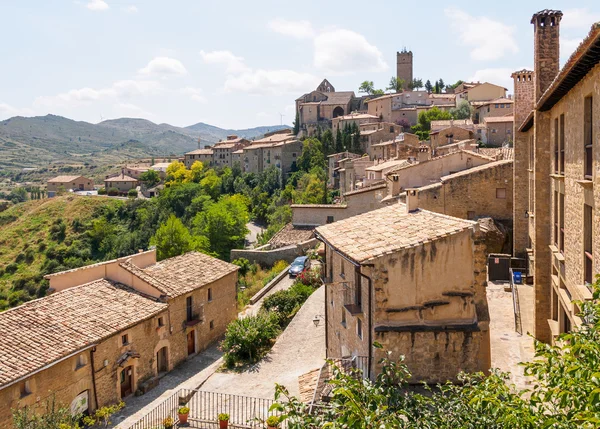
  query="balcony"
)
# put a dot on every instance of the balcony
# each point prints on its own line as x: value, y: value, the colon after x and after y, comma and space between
x: 353, y: 298
x: 194, y: 318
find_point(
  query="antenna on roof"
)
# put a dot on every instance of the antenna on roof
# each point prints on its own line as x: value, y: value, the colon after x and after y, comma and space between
x: 281, y: 118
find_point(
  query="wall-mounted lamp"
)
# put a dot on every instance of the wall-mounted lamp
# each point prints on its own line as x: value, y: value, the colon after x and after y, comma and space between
x: 526, y: 214
x: 317, y: 319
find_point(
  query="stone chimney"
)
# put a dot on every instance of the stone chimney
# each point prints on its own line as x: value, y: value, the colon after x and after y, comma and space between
x: 232, y: 137
x: 524, y: 84
x: 423, y: 154
x: 546, y: 25
x: 412, y: 200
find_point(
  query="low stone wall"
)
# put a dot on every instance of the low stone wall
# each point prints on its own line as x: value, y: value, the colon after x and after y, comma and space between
x: 269, y: 286
x: 267, y: 257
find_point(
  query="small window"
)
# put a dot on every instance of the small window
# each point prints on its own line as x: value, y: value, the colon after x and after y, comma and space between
x: 343, y: 317
x: 470, y: 215
x: 212, y: 325
x: 210, y: 294
x: 342, y: 274
x: 359, y: 331
x: 496, y: 106
x: 25, y: 389
x: 501, y: 193
x: 124, y: 339
x: 161, y: 322
x: 81, y: 361
x: 329, y: 219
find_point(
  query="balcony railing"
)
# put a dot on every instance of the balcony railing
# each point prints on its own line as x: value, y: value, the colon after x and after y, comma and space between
x: 353, y: 298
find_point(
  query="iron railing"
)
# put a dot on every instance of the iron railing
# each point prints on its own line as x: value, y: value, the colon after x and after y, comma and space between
x: 352, y: 298
x: 155, y: 418
x: 357, y: 366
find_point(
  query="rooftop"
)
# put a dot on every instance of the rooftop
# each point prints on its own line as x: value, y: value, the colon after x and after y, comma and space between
x: 200, y: 152
x: 63, y: 179
x: 357, y: 116
x: 41, y: 332
x: 498, y: 119
x: 388, y: 164
x: 275, y: 138
x: 291, y: 234
x: 121, y: 178
x: 182, y: 274
x: 370, y: 235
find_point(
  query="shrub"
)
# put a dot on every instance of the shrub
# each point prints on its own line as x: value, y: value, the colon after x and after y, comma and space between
x: 309, y: 278
x: 58, y: 230
x: 102, y: 191
x: 223, y: 417
x: 273, y: 421
x: 11, y: 268
x: 112, y: 192
x: 247, y: 339
x: 286, y: 303
x: 132, y: 193
x: 244, y: 265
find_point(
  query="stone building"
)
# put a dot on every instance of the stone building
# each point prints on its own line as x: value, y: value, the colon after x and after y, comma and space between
x: 121, y: 182
x: 404, y: 66
x: 341, y: 122
x: 449, y: 135
x: 205, y: 156
x: 319, y: 107
x: 222, y: 151
x: 498, y: 130
x: 111, y: 329
x: 280, y: 149
x: 498, y: 107
x: 479, y: 92
x: 333, y: 164
x: 388, y: 280
x: 556, y: 166
x: 68, y: 183
x: 372, y: 133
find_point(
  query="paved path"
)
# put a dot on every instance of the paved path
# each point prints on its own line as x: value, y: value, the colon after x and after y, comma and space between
x: 507, y: 346
x: 300, y: 349
x: 254, y: 229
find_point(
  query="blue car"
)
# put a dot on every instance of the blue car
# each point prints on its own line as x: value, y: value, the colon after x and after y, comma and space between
x: 300, y: 264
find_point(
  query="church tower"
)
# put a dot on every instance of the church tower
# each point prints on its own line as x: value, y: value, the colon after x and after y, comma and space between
x: 404, y: 66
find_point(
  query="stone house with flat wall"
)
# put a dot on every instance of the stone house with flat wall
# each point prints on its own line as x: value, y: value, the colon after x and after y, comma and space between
x: 333, y: 164
x: 318, y: 108
x: 341, y: 122
x: 110, y: 329
x: 557, y: 129
x: 378, y: 171
x: 205, y: 156
x: 446, y: 123
x: 484, y: 191
x: 122, y: 183
x: 469, y: 144
x: 222, y: 151
x: 449, y: 135
x: 352, y: 172
x: 479, y: 92
x: 377, y: 132
x: 68, y: 183
x: 499, y: 130
x: 387, y: 279
x: 498, y: 107
x: 279, y: 150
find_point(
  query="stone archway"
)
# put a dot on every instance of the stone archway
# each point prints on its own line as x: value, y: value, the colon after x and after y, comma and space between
x: 338, y: 111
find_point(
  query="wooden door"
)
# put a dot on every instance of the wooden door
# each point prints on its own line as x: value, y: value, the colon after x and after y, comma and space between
x: 191, y: 343
x: 162, y: 360
x: 126, y: 381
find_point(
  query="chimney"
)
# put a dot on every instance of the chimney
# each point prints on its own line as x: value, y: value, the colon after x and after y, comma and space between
x: 524, y: 83
x: 232, y: 137
x: 423, y: 154
x: 412, y: 200
x: 546, y: 25
x: 122, y: 173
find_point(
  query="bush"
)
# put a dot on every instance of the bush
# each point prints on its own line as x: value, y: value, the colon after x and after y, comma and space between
x: 102, y: 191
x: 11, y: 268
x: 58, y: 230
x: 286, y: 303
x: 309, y: 278
x: 244, y: 265
x: 112, y: 192
x: 247, y: 339
x: 132, y: 193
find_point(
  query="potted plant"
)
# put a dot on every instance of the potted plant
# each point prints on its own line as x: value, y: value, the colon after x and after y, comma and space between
x: 223, y: 420
x: 168, y: 423
x: 273, y: 422
x: 183, y: 414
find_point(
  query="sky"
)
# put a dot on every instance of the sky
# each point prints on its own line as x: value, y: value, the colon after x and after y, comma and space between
x: 239, y: 64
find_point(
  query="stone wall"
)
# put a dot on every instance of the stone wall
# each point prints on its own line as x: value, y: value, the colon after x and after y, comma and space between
x: 266, y: 257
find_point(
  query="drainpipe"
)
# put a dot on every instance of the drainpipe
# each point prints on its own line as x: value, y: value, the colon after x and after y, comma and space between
x: 370, y: 355
x: 92, y: 351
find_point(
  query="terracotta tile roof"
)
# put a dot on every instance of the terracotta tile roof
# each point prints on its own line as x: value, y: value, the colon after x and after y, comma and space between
x: 64, y: 179
x: 357, y: 116
x: 498, y: 119
x: 291, y: 234
x: 375, y: 186
x: 200, y: 152
x: 450, y: 122
x: 477, y: 169
x: 182, y: 274
x: 275, y: 138
x: 340, y: 97
x: 388, y: 164
x: 370, y: 235
x: 45, y: 330
x: 432, y: 95
x: 497, y: 152
x: 500, y: 100
x: 121, y: 178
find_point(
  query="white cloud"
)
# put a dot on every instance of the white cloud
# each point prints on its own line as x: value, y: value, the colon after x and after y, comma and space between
x: 97, y: 5
x: 270, y: 82
x: 475, y: 31
x: 568, y: 46
x: 164, y: 66
x: 194, y: 93
x: 342, y: 51
x: 578, y: 19
x: 131, y: 9
x: 122, y: 89
x: 8, y: 111
x: 232, y: 63
x: 297, y: 29
x: 497, y: 76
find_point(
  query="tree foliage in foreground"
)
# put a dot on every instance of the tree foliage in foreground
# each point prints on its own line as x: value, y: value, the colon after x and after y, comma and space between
x: 564, y: 393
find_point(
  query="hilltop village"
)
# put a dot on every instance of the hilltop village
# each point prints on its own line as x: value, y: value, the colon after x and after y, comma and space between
x: 431, y: 225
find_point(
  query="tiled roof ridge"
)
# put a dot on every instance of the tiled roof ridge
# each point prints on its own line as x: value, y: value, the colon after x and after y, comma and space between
x: 143, y: 275
x: 477, y: 169
x: 377, y: 185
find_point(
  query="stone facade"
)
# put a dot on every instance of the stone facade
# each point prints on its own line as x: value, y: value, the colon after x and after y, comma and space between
x: 404, y: 66
x: 449, y: 135
x: 499, y: 130
x: 205, y: 156
x: 69, y: 183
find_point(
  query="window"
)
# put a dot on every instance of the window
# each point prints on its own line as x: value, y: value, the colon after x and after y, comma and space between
x: 501, y: 193
x: 124, y: 339
x: 343, y: 317
x: 556, y: 227
x: 210, y: 294
x: 561, y: 222
x: 496, y: 105
x: 359, y: 328
x: 189, y: 308
x: 342, y: 273
x: 556, y: 149
x: 329, y: 219
x: 587, y: 244
x: 161, y: 322
x: 587, y: 137
x: 561, y: 143
x: 81, y: 361
x: 25, y: 389
x: 531, y: 152
x: 212, y: 325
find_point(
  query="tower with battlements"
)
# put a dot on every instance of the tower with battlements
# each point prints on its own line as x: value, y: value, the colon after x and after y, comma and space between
x: 404, y: 66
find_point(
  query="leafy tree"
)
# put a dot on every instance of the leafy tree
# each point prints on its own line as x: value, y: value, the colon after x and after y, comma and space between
x: 428, y: 86
x: 177, y: 173
x: 327, y: 140
x: 150, y: 178
x: 296, y: 129
x: 415, y: 84
x: 211, y: 184
x: 132, y: 193
x: 378, y: 92
x: 403, y: 123
x: 197, y: 170
x: 436, y: 87
x: 310, y: 190
x: 339, y: 142
x: 454, y: 85
x: 441, y: 84
x: 463, y: 111
x: 433, y: 114
x: 312, y: 155
x: 18, y: 195
x: 367, y: 87
x: 55, y: 416
x: 396, y: 84
x: 172, y: 239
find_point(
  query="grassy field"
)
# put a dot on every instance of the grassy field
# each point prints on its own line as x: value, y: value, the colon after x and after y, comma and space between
x: 25, y: 234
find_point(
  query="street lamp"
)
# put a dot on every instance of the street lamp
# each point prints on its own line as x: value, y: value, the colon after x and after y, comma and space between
x: 317, y: 319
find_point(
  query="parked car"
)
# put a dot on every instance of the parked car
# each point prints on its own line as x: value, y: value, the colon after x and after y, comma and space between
x: 300, y: 264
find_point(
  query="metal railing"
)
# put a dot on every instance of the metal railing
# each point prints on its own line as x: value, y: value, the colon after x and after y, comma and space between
x: 155, y: 418
x: 357, y: 366
x: 516, y: 304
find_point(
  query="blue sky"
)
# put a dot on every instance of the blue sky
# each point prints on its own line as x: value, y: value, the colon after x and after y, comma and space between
x: 238, y: 64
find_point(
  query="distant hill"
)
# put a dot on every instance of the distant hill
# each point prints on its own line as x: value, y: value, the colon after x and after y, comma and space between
x: 43, y: 140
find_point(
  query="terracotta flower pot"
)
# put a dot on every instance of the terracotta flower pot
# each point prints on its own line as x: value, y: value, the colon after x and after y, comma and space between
x: 183, y: 418
x: 223, y: 424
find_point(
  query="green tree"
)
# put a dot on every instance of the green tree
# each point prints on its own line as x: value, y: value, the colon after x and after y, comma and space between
x: 211, y: 184
x: 18, y: 195
x: 197, y: 171
x: 296, y: 129
x: 378, y: 92
x: 132, y: 193
x: 327, y: 140
x: 312, y: 155
x: 433, y: 114
x: 463, y: 111
x: 172, y: 239
x: 177, y: 173
x: 339, y: 141
x: 396, y: 84
x: 428, y: 86
x: 454, y: 85
x: 55, y: 416
x: 441, y: 84
x: 367, y: 87
x: 415, y: 84
x: 150, y: 178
